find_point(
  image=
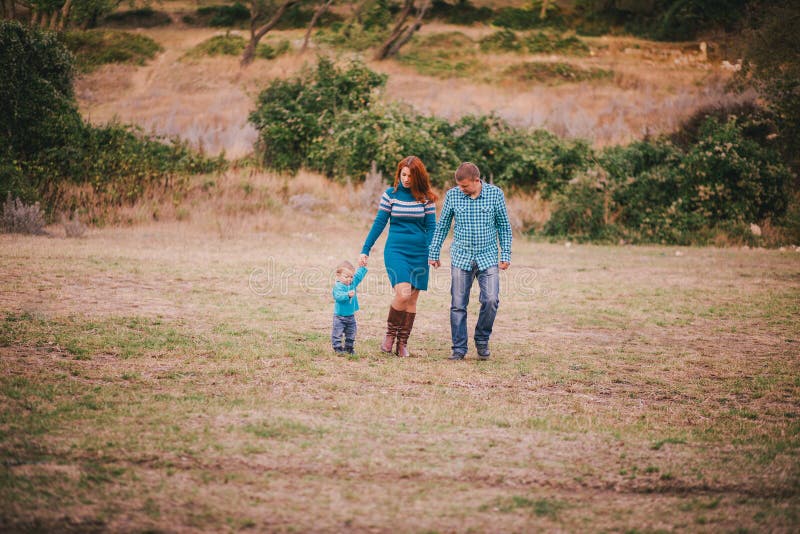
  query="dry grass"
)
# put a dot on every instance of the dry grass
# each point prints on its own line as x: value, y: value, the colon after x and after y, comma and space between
x: 177, y: 376
x: 207, y: 101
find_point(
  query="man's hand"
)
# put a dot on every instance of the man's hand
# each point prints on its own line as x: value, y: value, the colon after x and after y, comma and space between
x: 362, y: 260
x: 435, y: 263
x: 504, y: 265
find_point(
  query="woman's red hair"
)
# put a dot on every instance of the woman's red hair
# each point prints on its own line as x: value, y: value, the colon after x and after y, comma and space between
x: 420, y: 181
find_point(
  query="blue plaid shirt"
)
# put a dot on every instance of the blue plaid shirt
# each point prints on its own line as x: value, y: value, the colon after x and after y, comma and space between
x: 480, y: 223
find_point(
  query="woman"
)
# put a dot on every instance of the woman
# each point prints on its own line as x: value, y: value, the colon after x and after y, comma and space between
x: 410, y: 206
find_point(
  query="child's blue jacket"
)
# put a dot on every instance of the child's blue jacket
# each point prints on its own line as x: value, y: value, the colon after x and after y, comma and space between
x: 345, y: 304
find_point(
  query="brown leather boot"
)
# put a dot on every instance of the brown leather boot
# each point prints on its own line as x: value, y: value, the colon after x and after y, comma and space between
x: 393, y: 323
x: 403, y: 333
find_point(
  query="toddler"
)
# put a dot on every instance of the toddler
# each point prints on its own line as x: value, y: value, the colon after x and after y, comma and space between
x: 345, y: 307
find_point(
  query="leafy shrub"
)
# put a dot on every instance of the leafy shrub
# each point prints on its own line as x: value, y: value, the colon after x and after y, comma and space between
x: 37, y: 107
x: 657, y: 191
x: 219, y: 45
x: 145, y: 17
x: 542, y: 43
x: 581, y: 211
x: 463, y: 12
x: 382, y: 134
x: 94, y: 48
x: 292, y: 114
x: 19, y: 218
x: 267, y: 51
x: 234, y: 45
x: 501, y: 41
x: 513, y: 157
x: 554, y: 72
x: 220, y: 16
x: 515, y: 18
x: 44, y: 143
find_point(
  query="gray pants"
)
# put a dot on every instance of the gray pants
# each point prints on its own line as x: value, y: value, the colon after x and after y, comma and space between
x: 344, y: 325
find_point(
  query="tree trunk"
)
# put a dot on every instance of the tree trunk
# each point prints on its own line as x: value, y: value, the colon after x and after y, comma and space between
x: 317, y: 14
x: 401, y: 33
x: 54, y: 20
x: 256, y: 34
x: 543, y: 12
x: 64, y: 15
x: 44, y: 20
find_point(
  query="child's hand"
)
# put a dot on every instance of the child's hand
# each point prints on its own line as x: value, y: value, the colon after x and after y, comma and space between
x: 351, y: 293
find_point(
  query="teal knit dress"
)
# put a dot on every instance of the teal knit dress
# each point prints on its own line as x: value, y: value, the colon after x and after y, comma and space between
x: 411, y: 226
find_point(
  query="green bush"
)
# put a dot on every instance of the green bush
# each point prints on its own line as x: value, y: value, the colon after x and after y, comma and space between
x: 656, y: 191
x: 581, y: 211
x: 45, y: 144
x: 93, y: 48
x: 384, y: 134
x: 222, y: 16
x: 543, y: 43
x: 145, y: 17
x: 515, y: 18
x: 462, y: 12
x: 501, y: 41
x: 268, y: 51
x: 219, y: 45
x: 292, y: 114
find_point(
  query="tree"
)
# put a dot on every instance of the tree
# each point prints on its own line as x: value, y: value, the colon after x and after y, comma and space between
x: 321, y: 9
x: 772, y: 66
x: 261, y: 10
x: 402, y: 33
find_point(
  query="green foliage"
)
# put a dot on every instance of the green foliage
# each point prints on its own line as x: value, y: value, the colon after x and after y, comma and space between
x: 543, y: 43
x: 501, y: 41
x: 515, y: 18
x: 88, y: 13
x: 234, y: 45
x: 267, y: 51
x: 513, y: 157
x: 554, y: 72
x: 219, y: 45
x: 292, y: 114
x: 94, y: 48
x: 447, y: 54
x: 655, y: 191
x: 37, y: 107
x: 462, y: 12
x: 222, y: 16
x: 145, y: 17
x: 45, y: 143
x: 669, y: 20
x: 379, y: 134
x: 772, y: 65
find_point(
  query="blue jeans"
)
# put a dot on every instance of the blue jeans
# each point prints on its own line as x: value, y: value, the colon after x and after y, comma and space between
x: 344, y: 325
x: 461, y: 283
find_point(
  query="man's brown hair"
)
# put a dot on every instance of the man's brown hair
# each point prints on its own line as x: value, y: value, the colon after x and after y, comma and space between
x: 467, y: 171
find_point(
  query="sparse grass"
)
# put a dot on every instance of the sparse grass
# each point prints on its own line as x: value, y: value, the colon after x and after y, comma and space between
x: 179, y: 375
x: 541, y: 72
x: 234, y: 45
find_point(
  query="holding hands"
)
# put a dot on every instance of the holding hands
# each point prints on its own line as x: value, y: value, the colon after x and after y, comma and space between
x: 362, y: 260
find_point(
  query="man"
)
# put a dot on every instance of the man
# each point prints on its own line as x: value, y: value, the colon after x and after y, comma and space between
x: 481, y: 220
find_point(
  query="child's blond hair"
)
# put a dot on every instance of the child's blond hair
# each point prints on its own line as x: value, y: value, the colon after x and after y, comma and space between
x: 344, y: 265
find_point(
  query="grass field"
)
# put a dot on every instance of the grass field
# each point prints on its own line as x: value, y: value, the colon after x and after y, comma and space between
x: 177, y: 376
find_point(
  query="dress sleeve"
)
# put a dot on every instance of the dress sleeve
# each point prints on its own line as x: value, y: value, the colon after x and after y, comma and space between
x: 381, y: 218
x: 430, y: 222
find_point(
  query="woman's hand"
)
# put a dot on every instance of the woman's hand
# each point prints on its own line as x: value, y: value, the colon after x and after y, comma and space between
x: 362, y: 260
